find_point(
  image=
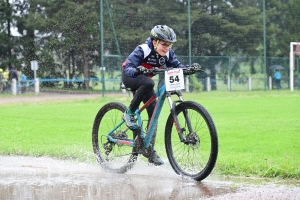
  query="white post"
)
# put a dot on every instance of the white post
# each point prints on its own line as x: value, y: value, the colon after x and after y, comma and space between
x: 14, y: 86
x: 187, y: 88
x: 270, y: 82
x: 37, y: 86
x: 123, y: 90
x: 208, y: 83
x: 228, y: 83
x: 249, y: 83
x: 291, y: 71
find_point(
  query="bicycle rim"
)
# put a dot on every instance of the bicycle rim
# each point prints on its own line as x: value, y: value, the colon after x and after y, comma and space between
x: 113, y: 157
x: 195, y: 160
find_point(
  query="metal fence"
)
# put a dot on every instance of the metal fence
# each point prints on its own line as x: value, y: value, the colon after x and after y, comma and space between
x: 222, y: 73
x: 226, y: 72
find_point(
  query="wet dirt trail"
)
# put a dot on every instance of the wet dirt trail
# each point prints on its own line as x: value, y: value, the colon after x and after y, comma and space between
x: 47, y: 178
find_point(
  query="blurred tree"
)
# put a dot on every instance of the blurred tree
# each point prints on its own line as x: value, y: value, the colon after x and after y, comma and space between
x: 288, y: 21
x: 222, y: 29
x: 133, y: 21
x: 64, y: 35
x: 79, y: 29
x: 68, y: 30
x: 9, y: 43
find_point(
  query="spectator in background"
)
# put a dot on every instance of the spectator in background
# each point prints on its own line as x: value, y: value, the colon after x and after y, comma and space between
x: 13, y: 74
x: 1, y: 80
x: 23, y: 78
x: 277, y: 77
x: 23, y: 83
x: 5, y: 76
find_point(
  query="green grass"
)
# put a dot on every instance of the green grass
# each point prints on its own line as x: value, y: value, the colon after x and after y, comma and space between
x: 259, y: 131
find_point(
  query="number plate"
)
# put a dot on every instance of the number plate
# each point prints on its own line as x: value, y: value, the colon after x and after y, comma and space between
x: 174, y: 79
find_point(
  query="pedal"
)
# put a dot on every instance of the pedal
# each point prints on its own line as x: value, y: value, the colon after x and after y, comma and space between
x: 147, y: 152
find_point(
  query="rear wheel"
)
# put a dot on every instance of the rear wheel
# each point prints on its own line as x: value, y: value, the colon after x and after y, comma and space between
x: 197, y: 157
x: 112, y: 156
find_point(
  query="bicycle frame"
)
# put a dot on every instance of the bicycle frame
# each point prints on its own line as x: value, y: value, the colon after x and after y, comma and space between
x: 147, y: 136
x: 161, y: 95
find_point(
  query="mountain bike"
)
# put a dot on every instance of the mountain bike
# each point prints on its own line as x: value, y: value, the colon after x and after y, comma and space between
x: 190, y: 137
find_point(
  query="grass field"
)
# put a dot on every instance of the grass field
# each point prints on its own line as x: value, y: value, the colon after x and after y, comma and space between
x: 259, y: 131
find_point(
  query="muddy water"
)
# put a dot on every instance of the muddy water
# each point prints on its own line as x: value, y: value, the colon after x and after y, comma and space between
x: 47, y: 178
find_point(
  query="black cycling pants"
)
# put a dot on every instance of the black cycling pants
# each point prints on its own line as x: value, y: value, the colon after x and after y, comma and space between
x: 143, y: 86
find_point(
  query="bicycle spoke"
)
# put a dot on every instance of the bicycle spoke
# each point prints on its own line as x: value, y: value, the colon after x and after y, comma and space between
x: 113, y: 156
x: 195, y: 157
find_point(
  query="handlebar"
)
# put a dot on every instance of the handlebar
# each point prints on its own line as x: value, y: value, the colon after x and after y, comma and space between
x: 186, y: 70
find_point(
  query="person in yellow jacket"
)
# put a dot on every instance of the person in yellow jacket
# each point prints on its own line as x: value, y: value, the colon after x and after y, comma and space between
x: 1, y: 80
x: 5, y: 76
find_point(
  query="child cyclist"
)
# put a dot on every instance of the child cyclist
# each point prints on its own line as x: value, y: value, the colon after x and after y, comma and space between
x: 154, y: 53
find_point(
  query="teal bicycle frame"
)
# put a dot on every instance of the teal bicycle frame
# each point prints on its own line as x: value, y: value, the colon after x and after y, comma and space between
x: 146, y: 136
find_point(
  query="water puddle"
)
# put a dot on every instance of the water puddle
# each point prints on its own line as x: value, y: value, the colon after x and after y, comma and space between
x: 47, y: 178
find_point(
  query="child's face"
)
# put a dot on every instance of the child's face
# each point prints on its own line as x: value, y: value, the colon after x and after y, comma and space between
x: 162, y: 47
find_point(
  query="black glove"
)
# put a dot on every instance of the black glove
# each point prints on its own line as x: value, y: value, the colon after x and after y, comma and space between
x: 188, y: 72
x: 151, y: 71
x: 140, y: 70
x: 196, y: 67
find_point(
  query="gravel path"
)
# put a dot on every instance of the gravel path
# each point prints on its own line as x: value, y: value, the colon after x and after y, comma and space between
x: 51, y: 97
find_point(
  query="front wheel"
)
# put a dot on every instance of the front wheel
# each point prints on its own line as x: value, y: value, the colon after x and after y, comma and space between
x: 113, y: 157
x: 196, y: 157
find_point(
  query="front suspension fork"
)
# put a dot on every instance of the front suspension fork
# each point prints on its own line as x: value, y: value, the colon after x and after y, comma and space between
x: 172, y: 104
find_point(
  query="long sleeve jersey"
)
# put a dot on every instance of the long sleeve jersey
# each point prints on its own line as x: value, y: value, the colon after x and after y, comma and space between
x: 144, y: 55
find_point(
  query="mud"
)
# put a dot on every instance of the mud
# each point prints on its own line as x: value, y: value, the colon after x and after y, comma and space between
x: 47, y: 178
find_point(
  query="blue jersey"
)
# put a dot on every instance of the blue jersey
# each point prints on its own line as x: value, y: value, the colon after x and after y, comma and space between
x: 144, y: 55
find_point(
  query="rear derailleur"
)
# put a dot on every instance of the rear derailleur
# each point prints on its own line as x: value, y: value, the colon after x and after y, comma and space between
x: 108, y: 146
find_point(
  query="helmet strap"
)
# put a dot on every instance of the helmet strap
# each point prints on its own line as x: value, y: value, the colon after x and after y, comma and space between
x: 156, y: 45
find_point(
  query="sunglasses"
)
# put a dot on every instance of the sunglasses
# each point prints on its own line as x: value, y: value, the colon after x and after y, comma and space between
x: 165, y: 45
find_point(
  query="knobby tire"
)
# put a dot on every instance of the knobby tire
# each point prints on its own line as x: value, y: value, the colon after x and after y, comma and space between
x: 121, y: 157
x: 195, y: 160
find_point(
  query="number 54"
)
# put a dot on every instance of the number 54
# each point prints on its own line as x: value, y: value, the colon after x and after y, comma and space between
x: 174, y: 79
